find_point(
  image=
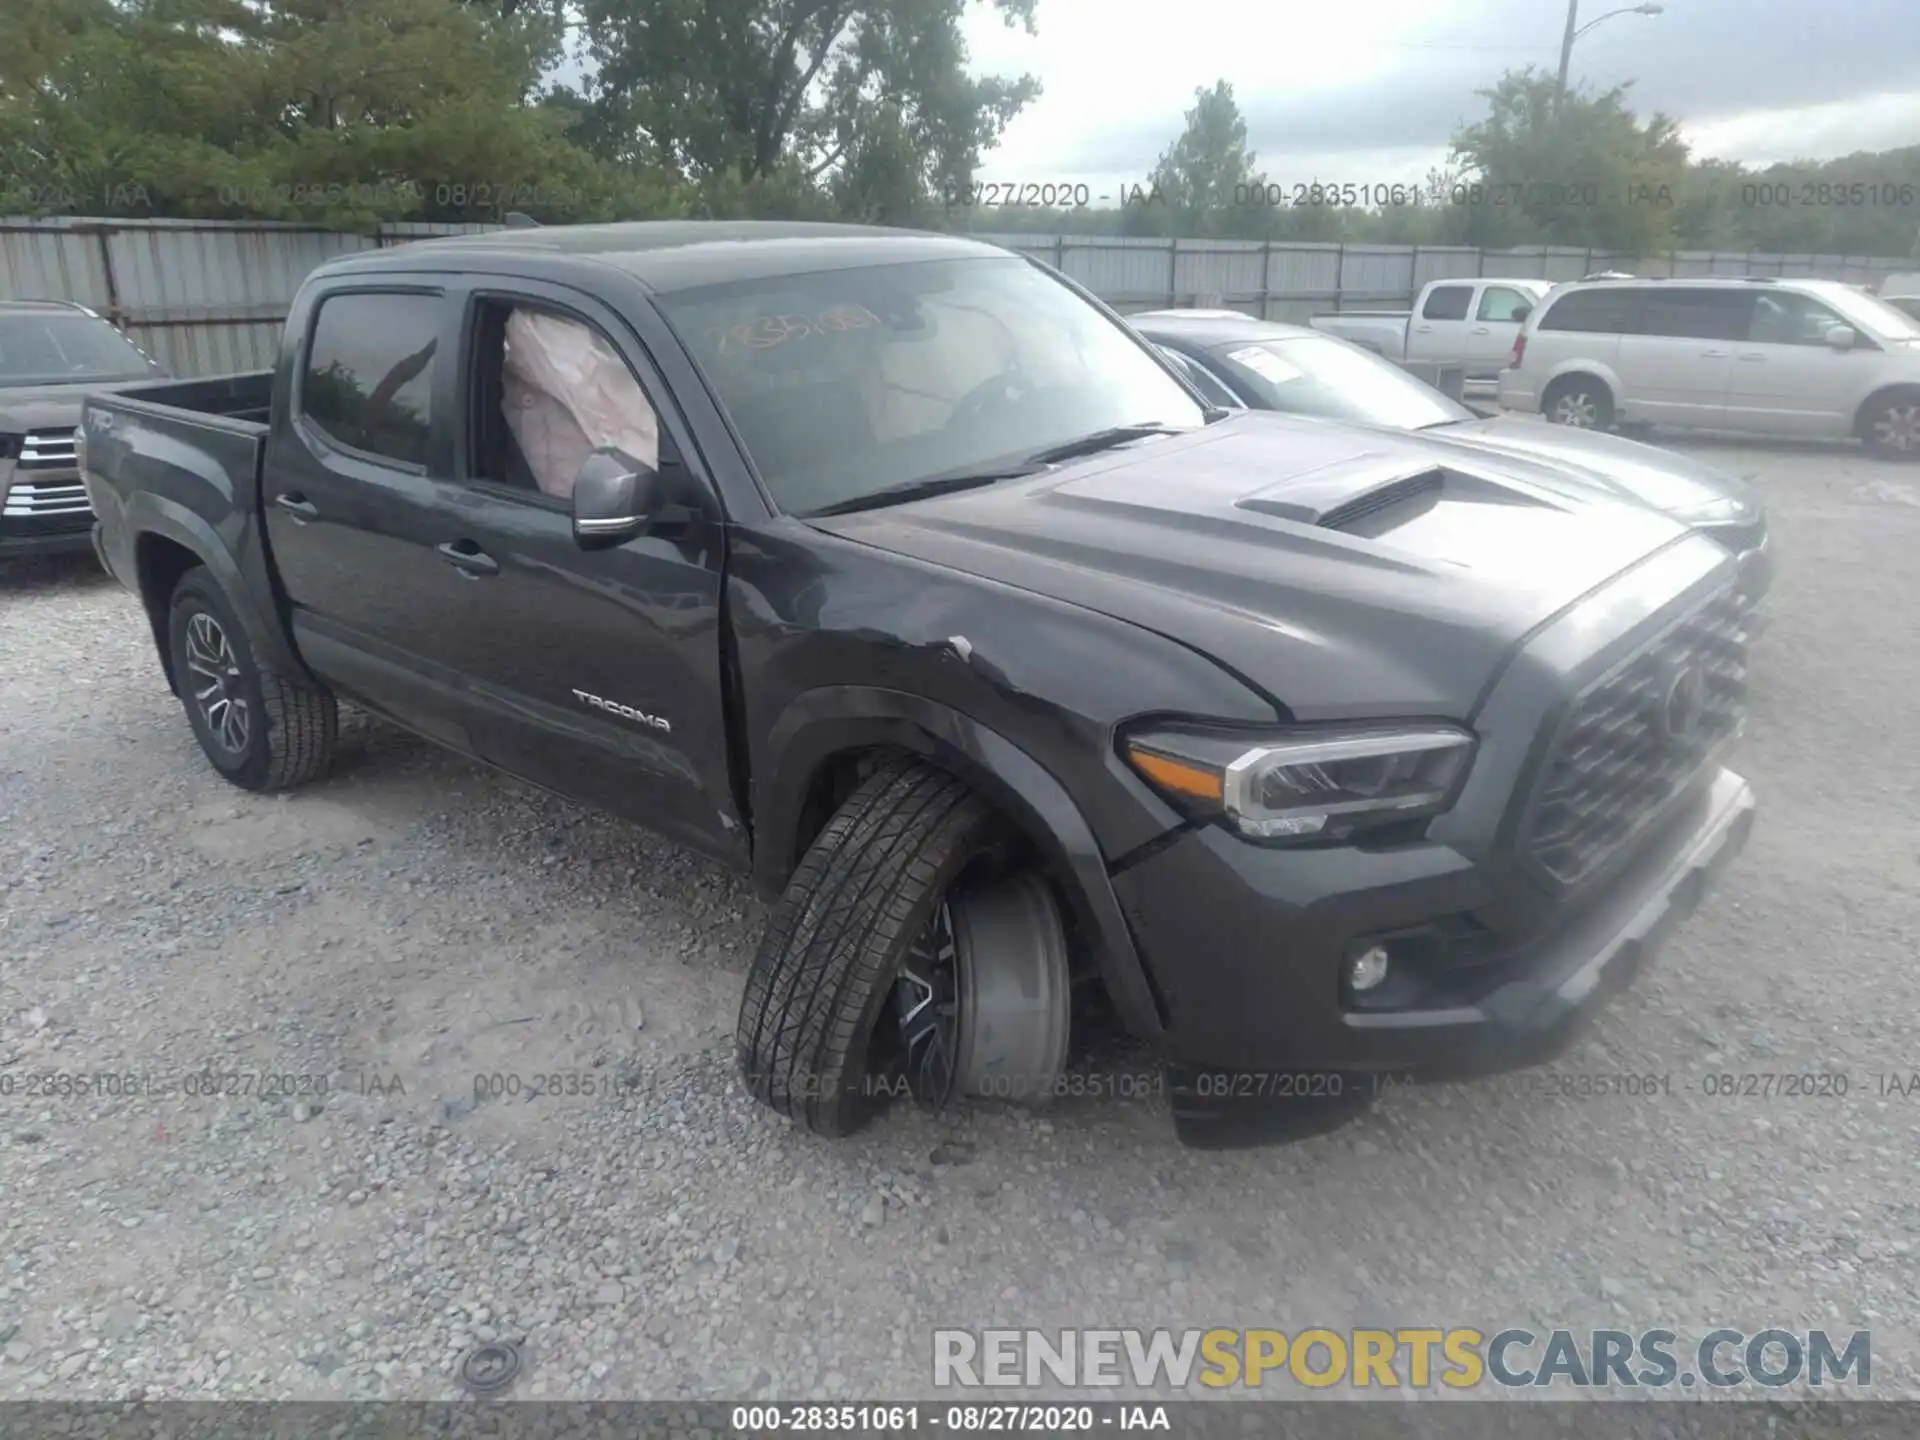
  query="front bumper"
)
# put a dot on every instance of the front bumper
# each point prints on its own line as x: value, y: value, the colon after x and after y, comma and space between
x: 1249, y: 945
x: 59, y: 542
x: 51, y: 522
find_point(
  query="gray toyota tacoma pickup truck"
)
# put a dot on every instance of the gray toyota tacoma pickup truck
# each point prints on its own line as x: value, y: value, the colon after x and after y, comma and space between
x: 897, y: 572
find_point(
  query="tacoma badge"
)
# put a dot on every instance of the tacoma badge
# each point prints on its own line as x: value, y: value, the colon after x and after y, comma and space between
x: 627, y: 710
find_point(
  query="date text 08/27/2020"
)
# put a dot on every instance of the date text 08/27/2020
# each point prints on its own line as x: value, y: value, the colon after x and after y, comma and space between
x: 1533, y: 196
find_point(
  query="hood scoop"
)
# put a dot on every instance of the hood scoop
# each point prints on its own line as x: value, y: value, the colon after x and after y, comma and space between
x: 1339, y: 495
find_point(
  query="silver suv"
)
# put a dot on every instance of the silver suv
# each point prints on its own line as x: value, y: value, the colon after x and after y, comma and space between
x: 1810, y: 358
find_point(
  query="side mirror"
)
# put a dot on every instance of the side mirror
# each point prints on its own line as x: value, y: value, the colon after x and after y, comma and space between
x: 1841, y: 337
x: 1520, y: 313
x: 615, y: 498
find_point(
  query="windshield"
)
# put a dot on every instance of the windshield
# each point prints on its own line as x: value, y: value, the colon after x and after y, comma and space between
x: 1312, y: 375
x: 1873, y: 315
x: 52, y: 348
x: 843, y: 383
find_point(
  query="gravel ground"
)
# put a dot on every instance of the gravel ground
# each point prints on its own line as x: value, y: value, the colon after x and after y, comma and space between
x: 414, y: 922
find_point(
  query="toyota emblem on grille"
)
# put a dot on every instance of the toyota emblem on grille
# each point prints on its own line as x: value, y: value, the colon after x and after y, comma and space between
x: 1684, y: 706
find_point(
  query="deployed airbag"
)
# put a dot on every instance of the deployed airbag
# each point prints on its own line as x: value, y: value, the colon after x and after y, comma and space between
x: 567, y: 392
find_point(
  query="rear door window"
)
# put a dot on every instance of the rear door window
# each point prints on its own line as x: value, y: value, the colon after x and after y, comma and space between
x: 1684, y: 314
x: 369, y: 374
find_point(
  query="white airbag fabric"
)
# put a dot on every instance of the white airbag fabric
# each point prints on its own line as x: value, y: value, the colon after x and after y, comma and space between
x: 567, y: 392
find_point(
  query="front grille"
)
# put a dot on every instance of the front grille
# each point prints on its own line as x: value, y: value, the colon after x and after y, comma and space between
x: 47, y: 450
x: 1636, y: 736
x: 46, y: 500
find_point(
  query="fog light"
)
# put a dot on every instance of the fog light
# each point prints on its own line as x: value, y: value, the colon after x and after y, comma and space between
x: 1368, y: 969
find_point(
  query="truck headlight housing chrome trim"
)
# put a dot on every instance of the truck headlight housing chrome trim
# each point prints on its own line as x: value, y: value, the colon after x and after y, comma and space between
x: 1306, y: 784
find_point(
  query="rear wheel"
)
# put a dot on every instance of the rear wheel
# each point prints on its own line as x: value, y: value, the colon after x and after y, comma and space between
x: 1579, y: 402
x: 1890, y: 424
x: 906, y: 958
x: 260, y: 729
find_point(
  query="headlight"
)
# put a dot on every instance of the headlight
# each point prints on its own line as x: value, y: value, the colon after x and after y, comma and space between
x: 1724, y: 510
x: 1304, y: 784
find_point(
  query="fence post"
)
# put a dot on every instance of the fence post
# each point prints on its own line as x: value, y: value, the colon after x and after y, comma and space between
x: 1060, y: 253
x: 1266, y: 278
x: 1340, y: 276
x: 1413, y: 277
x: 1173, y: 273
x: 103, y: 234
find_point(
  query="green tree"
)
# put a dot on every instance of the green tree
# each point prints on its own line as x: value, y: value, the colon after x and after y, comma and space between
x: 1206, y: 182
x: 342, y: 111
x: 870, y: 98
x: 1582, y: 171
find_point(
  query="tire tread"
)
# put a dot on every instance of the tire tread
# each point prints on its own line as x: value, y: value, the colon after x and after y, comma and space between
x: 831, y: 952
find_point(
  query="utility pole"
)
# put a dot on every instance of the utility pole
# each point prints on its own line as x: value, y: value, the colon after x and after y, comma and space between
x: 1566, y: 44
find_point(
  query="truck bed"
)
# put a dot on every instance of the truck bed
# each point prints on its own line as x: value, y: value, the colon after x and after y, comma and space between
x: 246, y: 397
x: 180, y: 438
x: 180, y: 460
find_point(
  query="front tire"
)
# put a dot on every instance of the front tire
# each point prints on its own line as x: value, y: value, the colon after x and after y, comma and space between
x: 904, y: 958
x: 1579, y: 402
x: 259, y: 729
x: 1890, y: 425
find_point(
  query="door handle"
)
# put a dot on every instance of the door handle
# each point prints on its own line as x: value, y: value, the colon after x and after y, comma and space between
x: 1483, y: 330
x: 469, y: 559
x: 298, y: 506
x: 1424, y: 329
x: 1713, y: 354
x: 1755, y: 359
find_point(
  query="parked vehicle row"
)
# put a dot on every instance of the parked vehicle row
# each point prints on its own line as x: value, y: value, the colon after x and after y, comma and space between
x: 1808, y: 358
x: 1471, y: 323
x: 53, y: 353
x: 904, y: 576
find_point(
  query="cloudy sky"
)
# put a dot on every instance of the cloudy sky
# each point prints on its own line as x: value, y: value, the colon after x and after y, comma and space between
x: 1369, y: 90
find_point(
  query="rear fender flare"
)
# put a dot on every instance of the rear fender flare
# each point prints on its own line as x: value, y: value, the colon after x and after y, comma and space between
x: 150, y: 514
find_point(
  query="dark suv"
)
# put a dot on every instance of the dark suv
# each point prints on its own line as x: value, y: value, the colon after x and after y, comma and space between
x: 902, y: 574
x: 52, y: 354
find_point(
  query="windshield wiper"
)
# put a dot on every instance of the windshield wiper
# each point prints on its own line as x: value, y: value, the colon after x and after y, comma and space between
x: 1101, y: 440
x: 927, y: 488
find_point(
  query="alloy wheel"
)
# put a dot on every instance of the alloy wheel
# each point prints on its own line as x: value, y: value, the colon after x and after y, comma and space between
x: 1897, y: 428
x: 1576, y: 409
x: 216, y: 683
x: 926, y: 1000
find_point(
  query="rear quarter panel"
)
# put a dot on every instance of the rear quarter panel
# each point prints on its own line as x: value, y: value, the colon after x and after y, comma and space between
x: 157, y: 473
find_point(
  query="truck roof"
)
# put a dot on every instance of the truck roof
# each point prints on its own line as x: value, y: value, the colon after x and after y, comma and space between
x: 666, y: 255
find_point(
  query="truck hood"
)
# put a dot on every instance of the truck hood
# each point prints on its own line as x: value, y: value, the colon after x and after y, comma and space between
x: 1343, y: 572
x: 1677, y: 485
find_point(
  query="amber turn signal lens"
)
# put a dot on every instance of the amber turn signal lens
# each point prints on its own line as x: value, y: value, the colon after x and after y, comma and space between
x: 1178, y: 776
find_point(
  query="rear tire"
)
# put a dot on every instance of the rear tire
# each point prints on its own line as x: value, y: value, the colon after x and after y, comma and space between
x: 900, y: 962
x: 1579, y: 402
x: 1890, y: 424
x: 259, y: 729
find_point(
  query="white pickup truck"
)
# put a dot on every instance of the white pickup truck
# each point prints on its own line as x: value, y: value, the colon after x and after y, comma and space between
x: 1902, y: 291
x: 1470, y: 323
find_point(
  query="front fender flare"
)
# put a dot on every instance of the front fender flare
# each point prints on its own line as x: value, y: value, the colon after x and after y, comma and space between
x: 833, y: 720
